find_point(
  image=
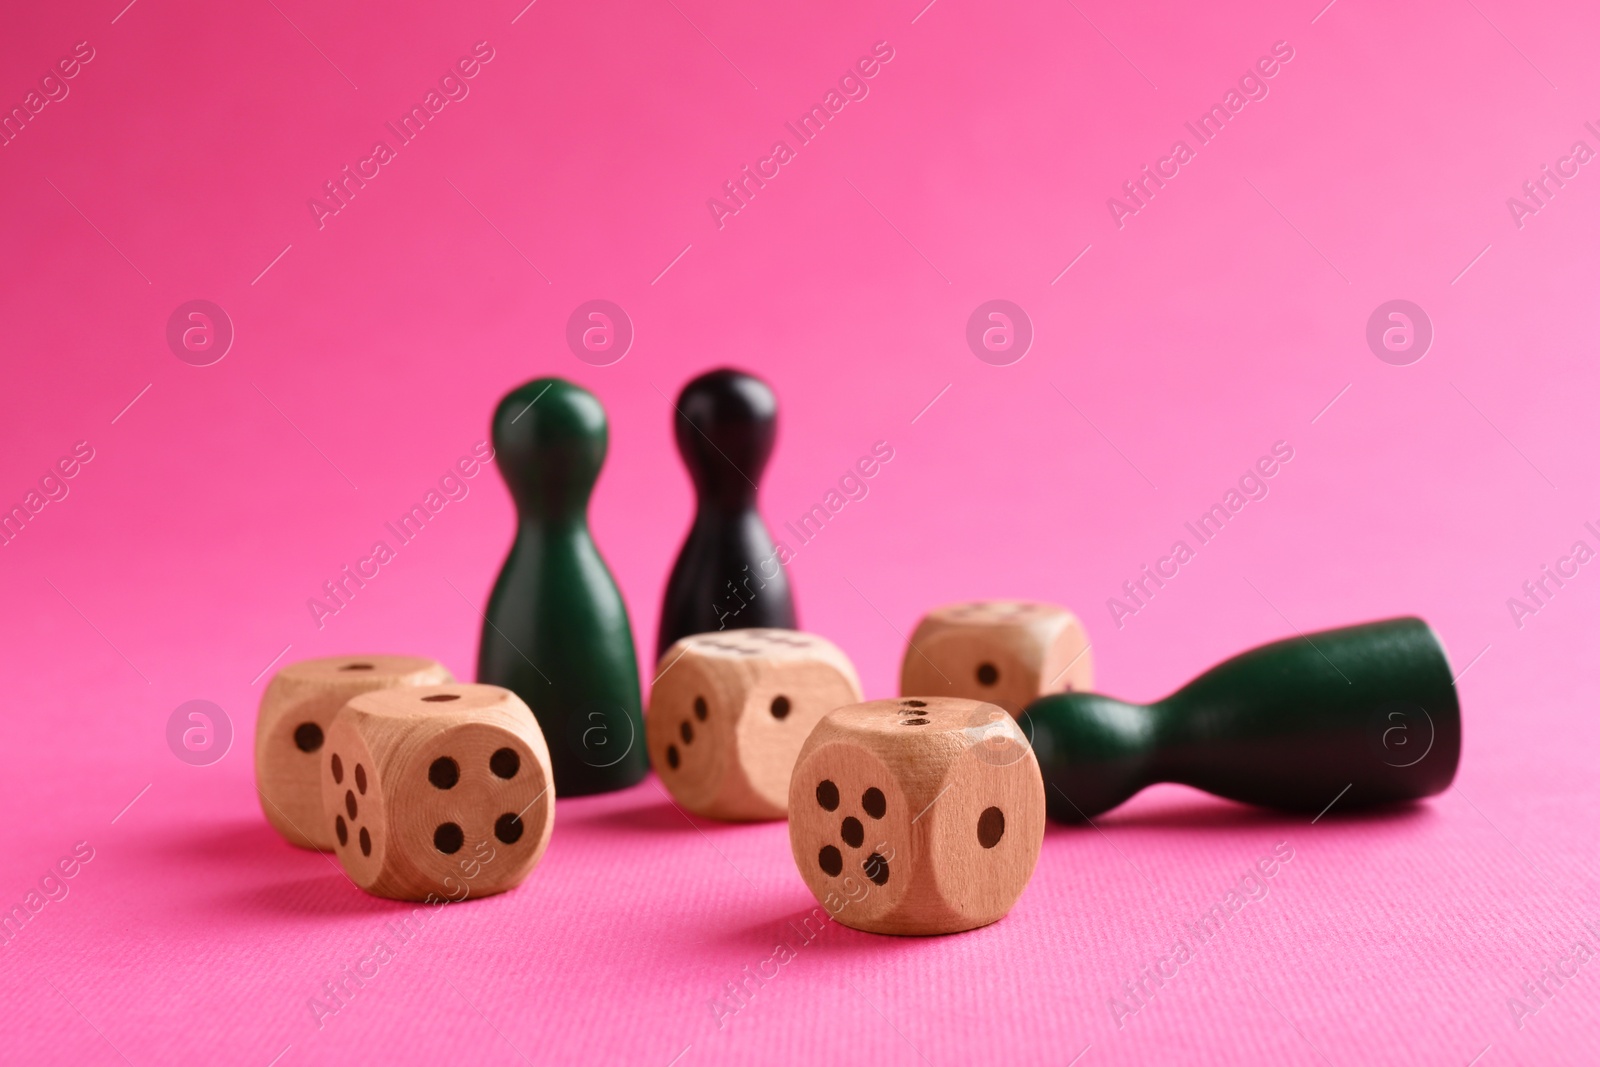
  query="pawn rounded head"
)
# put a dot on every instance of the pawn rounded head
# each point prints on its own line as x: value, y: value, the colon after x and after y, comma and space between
x: 550, y: 438
x: 1366, y: 715
x: 726, y: 416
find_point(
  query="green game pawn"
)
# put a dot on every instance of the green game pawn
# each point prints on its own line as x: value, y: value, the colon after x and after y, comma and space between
x: 556, y: 632
x: 1365, y: 715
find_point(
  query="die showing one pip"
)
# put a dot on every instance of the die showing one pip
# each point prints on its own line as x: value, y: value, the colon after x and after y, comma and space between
x: 296, y: 711
x: 730, y: 710
x: 917, y: 815
x: 1006, y: 652
x: 439, y: 792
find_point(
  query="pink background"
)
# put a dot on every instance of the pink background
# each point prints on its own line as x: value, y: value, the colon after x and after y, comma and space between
x: 1225, y: 316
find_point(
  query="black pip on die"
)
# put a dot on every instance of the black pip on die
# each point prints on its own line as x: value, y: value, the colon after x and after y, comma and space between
x: 296, y: 711
x: 729, y: 712
x: 437, y: 792
x: 923, y: 815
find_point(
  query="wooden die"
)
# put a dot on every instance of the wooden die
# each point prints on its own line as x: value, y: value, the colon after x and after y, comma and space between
x: 917, y: 815
x: 1006, y: 652
x: 296, y: 711
x: 440, y: 792
x: 730, y: 710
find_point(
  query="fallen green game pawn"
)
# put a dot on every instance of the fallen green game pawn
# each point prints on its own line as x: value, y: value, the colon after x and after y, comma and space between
x: 1365, y: 715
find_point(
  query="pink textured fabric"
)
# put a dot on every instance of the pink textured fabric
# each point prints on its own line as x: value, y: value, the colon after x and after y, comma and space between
x: 1180, y: 326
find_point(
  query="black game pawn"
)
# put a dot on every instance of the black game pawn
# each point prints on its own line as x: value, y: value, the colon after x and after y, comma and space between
x: 728, y: 575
